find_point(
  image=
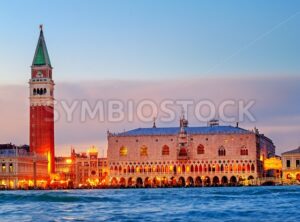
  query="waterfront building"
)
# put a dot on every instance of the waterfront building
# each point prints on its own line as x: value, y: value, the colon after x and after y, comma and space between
x: 187, y: 156
x: 273, y: 167
x: 64, y: 172
x: 291, y: 166
x: 21, y: 168
x: 82, y: 169
x: 41, y: 87
x: 90, y: 169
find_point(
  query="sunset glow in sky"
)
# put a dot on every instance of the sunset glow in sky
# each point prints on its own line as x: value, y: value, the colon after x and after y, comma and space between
x: 133, y: 50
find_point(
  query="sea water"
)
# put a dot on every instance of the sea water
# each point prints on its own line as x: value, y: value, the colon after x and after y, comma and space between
x: 278, y: 203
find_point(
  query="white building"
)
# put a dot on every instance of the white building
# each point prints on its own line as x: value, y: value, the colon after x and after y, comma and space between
x: 22, y: 169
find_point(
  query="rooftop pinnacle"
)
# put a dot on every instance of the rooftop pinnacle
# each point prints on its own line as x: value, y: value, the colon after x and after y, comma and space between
x: 41, y: 56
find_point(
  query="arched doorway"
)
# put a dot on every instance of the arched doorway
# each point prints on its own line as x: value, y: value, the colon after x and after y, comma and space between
x: 181, y: 182
x: 130, y: 182
x: 250, y: 177
x: 155, y: 182
x: 122, y: 182
x: 241, y: 180
x: 207, y: 181
x: 215, y: 181
x: 147, y: 182
x: 114, y: 181
x: 224, y: 180
x: 251, y: 180
x: 173, y: 182
x: 190, y: 182
x: 139, y: 182
x: 164, y: 182
x: 198, y: 182
x: 233, y: 181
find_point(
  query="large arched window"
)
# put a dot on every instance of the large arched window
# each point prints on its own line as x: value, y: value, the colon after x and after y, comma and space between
x: 144, y: 150
x: 123, y: 151
x: 165, y: 150
x: 222, y: 151
x: 244, y: 151
x: 200, y: 149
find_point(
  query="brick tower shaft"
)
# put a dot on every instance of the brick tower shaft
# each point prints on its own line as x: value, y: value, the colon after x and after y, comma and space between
x: 42, y: 104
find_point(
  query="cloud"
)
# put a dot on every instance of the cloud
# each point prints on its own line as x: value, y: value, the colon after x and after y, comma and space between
x: 276, y: 108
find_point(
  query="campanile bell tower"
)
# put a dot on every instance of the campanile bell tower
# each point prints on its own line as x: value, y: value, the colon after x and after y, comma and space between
x: 42, y: 103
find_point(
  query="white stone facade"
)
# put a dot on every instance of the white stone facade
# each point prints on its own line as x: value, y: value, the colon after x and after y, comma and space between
x: 22, y: 170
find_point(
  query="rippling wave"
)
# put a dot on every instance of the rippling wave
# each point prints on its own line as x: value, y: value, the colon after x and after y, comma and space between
x: 180, y: 204
x: 53, y: 197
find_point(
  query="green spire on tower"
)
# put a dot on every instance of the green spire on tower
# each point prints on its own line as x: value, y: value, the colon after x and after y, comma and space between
x: 41, y: 57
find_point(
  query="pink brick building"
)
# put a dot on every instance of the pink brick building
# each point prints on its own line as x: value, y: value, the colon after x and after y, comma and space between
x: 187, y: 156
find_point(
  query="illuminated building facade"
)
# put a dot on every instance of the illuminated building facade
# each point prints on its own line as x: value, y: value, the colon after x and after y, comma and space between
x: 82, y: 169
x: 291, y: 166
x: 64, y: 172
x: 273, y: 167
x: 42, y: 104
x: 22, y: 169
x: 187, y: 156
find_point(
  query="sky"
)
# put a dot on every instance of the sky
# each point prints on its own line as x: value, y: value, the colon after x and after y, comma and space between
x: 217, y: 50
